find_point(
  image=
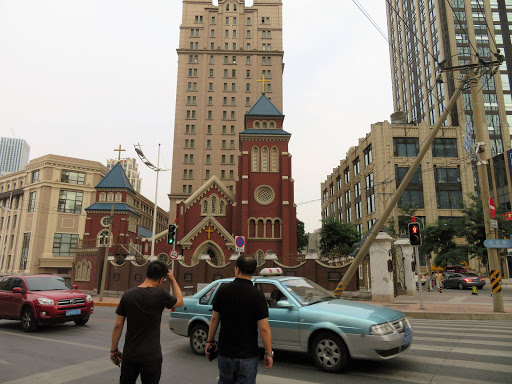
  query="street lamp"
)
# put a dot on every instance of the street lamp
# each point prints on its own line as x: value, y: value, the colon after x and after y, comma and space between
x: 157, y: 169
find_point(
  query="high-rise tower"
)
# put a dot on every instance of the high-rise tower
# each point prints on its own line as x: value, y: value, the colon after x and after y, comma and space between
x: 13, y: 155
x: 425, y: 33
x: 225, y: 52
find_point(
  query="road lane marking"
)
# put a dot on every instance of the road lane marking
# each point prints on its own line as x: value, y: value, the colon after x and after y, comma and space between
x: 53, y: 340
x: 472, y: 334
x: 77, y: 371
x: 457, y: 363
x: 459, y: 340
x: 469, y: 329
x: 470, y: 351
x: 5, y: 362
x: 421, y: 378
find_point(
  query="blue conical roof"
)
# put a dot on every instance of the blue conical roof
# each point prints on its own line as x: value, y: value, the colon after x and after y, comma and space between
x: 264, y: 107
x: 116, y: 179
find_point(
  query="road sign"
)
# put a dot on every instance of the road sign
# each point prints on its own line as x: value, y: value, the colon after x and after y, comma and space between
x: 240, y: 243
x: 173, y: 254
x: 492, y: 207
x: 497, y: 243
x: 494, y: 223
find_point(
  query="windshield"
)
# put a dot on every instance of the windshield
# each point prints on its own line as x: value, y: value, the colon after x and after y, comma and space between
x: 470, y: 274
x: 47, y: 283
x: 306, y: 292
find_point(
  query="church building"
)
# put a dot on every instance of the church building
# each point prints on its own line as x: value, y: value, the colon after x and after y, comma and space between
x: 262, y: 210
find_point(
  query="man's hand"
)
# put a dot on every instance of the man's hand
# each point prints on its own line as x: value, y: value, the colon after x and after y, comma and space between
x: 170, y: 275
x: 116, y: 357
x: 269, y: 361
x: 208, y: 346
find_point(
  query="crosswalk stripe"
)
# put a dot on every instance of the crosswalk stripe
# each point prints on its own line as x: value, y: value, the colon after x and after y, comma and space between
x: 420, y: 377
x: 462, y: 341
x: 476, y: 323
x: 458, y: 363
x: 507, y: 325
x: 490, y: 330
x: 472, y: 334
x: 470, y: 351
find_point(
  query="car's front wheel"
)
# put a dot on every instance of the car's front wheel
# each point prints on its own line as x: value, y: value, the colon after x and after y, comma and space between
x: 28, y: 320
x: 461, y: 286
x: 82, y: 321
x: 330, y: 352
x: 198, y: 337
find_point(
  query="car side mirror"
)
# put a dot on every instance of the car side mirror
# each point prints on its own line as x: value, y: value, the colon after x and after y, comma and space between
x: 17, y: 290
x: 75, y: 286
x: 283, y: 304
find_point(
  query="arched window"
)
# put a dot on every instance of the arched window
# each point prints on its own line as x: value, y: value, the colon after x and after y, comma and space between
x: 205, y: 206
x: 234, y: 7
x: 272, y: 124
x: 214, y: 204
x: 274, y: 159
x: 119, y: 197
x: 264, y: 159
x: 102, y: 238
x: 110, y: 196
x: 103, y: 196
x: 257, y: 125
x: 255, y: 159
x: 227, y: 7
x: 264, y: 125
x: 221, y: 207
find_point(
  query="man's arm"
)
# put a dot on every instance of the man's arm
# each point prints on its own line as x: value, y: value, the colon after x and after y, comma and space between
x: 214, y: 324
x: 266, y: 339
x: 116, y: 335
x: 176, y: 291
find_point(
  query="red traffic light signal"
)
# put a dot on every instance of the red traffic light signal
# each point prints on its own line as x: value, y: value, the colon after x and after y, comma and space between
x: 414, y: 234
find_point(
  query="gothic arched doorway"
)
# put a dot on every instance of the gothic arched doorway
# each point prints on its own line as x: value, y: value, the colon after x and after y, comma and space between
x: 211, y: 249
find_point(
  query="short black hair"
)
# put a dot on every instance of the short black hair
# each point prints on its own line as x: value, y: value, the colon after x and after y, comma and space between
x: 246, y: 264
x: 156, y: 270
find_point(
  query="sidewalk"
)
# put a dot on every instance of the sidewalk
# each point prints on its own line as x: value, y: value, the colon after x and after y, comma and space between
x: 439, y: 306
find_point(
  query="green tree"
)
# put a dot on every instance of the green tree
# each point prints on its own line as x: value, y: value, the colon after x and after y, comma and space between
x: 474, y: 227
x: 404, y: 217
x: 338, y: 237
x: 438, y: 238
x: 302, y: 237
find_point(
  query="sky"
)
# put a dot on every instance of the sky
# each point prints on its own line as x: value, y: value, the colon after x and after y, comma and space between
x: 79, y: 78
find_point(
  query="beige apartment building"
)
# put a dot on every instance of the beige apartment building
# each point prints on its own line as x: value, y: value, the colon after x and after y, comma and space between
x: 359, y: 188
x: 43, y: 216
x: 224, y: 53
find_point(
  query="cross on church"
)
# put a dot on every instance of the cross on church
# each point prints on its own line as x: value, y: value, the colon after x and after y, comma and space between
x: 209, y: 231
x: 119, y: 150
x: 263, y: 81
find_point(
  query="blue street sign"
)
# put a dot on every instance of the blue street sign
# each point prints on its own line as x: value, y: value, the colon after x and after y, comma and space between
x: 498, y: 243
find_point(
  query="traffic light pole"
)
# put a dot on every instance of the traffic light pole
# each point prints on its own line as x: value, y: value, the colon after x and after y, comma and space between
x: 394, y: 199
x: 418, y: 270
x: 107, y: 247
x: 152, y: 257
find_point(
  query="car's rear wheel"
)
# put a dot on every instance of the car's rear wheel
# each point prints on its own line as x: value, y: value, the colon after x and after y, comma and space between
x: 330, y: 352
x: 198, y: 337
x: 28, y: 320
x: 461, y: 286
x: 82, y: 321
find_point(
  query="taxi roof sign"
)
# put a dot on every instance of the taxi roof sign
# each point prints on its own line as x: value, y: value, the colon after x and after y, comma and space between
x: 271, y: 272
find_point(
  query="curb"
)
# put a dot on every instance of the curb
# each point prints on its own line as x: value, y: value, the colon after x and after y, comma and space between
x: 457, y: 316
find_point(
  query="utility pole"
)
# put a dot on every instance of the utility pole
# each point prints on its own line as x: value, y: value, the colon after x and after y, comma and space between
x: 152, y: 257
x: 389, y: 208
x: 484, y: 154
x: 107, y: 247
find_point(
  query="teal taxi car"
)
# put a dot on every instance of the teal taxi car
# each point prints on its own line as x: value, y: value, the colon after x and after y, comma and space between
x: 304, y: 317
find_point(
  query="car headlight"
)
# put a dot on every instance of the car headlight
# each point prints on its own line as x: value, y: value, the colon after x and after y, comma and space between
x: 88, y: 298
x: 381, y: 329
x: 45, y: 301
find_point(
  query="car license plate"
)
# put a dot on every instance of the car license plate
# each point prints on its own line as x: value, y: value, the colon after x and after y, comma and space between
x: 407, y: 337
x: 72, y: 312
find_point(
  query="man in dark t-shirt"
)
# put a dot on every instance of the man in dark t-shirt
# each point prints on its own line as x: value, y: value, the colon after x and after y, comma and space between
x: 143, y: 307
x: 241, y: 310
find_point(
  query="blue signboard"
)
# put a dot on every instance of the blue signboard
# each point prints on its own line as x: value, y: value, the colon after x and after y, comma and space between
x: 498, y: 243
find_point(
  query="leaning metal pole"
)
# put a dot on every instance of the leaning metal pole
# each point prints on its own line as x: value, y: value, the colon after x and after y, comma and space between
x: 394, y: 200
x: 152, y: 257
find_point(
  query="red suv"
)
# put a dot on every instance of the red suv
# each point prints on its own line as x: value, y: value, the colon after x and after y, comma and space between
x: 42, y: 299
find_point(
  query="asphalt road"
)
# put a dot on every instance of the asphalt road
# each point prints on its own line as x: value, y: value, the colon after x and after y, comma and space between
x: 460, y: 352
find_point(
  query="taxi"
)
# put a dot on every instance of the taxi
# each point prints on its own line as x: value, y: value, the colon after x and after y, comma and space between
x: 304, y: 317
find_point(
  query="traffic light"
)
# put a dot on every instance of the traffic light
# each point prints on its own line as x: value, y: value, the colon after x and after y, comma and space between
x: 414, y: 234
x: 171, y: 234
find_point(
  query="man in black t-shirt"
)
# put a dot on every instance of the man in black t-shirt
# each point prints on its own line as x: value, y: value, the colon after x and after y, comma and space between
x: 143, y: 307
x: 241, y: 310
